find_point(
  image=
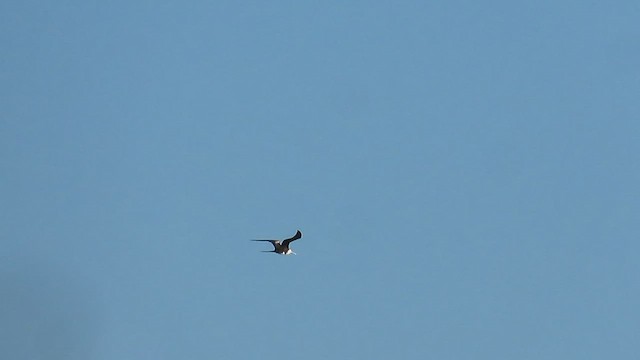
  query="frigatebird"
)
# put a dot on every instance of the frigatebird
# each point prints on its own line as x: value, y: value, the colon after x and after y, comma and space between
x: 282, y: 248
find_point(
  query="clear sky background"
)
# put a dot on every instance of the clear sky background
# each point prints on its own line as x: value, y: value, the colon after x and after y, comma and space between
x: 465, y: 174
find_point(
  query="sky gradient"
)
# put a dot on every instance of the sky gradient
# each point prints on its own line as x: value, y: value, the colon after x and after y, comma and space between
x: 465, y: 175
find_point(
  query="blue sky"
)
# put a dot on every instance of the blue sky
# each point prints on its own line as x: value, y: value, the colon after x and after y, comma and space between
x: 465, y: 174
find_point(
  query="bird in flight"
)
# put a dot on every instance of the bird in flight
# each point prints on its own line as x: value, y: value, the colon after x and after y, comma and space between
x: 282, y: 247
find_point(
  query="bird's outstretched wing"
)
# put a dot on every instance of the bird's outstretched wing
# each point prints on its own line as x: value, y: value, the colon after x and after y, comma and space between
x: 271, y: 241
x: 295, y: 237
x: 275, y: 243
